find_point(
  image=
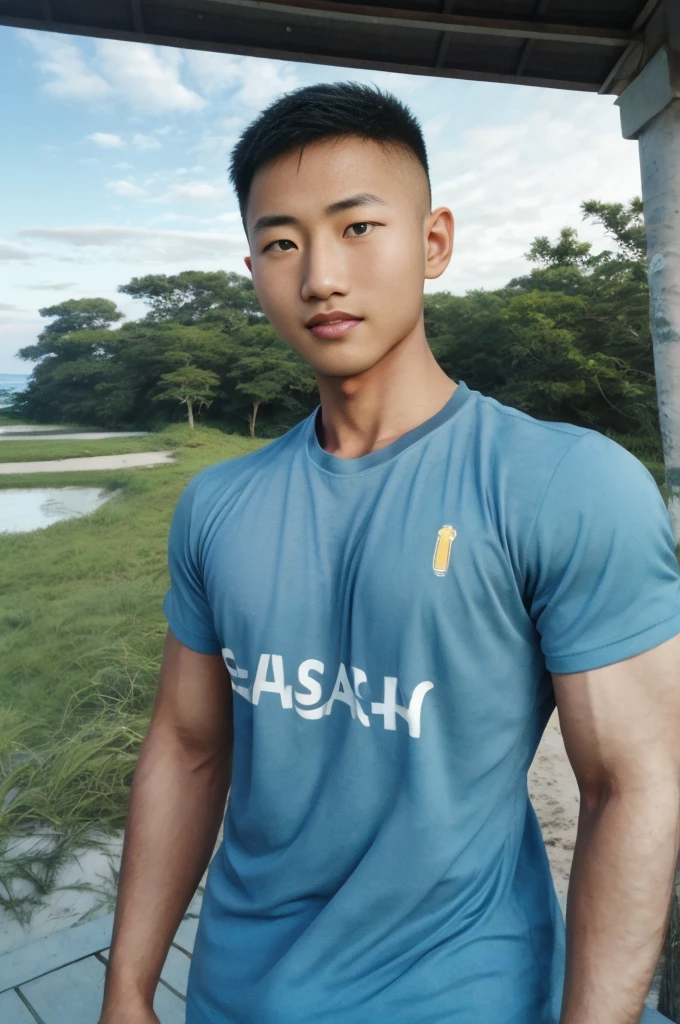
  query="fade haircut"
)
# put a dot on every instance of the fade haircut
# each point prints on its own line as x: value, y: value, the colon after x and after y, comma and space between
x: 324, y: 111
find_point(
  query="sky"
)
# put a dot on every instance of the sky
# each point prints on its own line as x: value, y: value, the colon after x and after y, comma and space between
x: 115, y: 158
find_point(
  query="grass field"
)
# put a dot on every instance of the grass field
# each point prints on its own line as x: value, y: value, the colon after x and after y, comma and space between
x: 81, y: 634
x: 32, y: 451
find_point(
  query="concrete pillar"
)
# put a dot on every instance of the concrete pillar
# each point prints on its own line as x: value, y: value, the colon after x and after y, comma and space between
x: 650, y: 112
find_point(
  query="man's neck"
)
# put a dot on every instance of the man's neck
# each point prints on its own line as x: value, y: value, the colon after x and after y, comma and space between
x: 372, y: 410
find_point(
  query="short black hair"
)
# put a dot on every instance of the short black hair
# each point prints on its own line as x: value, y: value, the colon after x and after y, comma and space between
x: 322, y: 111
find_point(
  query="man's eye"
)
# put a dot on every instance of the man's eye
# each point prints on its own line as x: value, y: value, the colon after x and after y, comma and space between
x: 279, y: 241
x: 364, y: 227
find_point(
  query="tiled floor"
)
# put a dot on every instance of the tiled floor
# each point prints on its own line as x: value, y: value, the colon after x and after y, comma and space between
x: 60, y: 979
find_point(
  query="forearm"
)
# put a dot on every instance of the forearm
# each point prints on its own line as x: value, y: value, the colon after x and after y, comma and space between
x: 620, y: 887
x: 176, y: 805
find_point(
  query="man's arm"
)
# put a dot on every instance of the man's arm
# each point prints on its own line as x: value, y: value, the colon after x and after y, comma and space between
x: 621, y: 728
x: 177, y: 802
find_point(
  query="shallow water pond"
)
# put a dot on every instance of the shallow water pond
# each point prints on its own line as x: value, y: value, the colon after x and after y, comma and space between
x: 23, y: 509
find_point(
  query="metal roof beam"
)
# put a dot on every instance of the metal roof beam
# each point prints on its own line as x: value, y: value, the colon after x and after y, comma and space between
x: 445, y: 39
x: 525, y: 54
x: 645, y: 14
x: 382, y: 17
x: 137, y: 15
x: 304, y: 57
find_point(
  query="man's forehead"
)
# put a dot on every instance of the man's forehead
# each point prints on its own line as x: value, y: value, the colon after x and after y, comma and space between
x: 273, y: 220
x: 352, y: 166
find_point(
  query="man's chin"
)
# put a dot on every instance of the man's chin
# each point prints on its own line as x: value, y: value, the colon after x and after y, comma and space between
x: 343, y: 368
x: 342, y: 362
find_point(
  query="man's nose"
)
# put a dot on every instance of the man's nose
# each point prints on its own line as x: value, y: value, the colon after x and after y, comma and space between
x: 325, y: 271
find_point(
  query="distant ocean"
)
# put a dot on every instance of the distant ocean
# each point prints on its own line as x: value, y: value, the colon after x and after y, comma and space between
x: 12, y: 382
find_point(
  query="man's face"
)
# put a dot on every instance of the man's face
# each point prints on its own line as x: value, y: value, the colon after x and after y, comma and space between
x: 367, y: 260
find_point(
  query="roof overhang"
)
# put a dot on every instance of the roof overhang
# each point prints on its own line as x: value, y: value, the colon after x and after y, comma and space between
x: 589, y: 45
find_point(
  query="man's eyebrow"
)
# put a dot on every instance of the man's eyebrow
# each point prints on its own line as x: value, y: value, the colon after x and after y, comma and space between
x: 360, y: 199
x: 277, y: 220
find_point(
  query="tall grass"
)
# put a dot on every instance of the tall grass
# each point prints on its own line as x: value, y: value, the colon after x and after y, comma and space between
x: 81, y: 635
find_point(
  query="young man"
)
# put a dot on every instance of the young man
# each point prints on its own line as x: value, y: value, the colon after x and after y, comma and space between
x: 370, y: 621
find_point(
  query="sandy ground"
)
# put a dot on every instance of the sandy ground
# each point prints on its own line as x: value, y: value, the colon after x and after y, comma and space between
x: 555, y: 796
x: 89, y: 462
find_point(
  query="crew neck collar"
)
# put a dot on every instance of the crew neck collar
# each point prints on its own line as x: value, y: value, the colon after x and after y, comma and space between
x: 346, y: 467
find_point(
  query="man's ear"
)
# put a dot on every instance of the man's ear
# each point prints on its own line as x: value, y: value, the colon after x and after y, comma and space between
x: 439, y: 241
x: 248, y: 263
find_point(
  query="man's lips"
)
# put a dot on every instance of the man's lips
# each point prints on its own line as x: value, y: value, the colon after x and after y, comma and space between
x: 334, y: 326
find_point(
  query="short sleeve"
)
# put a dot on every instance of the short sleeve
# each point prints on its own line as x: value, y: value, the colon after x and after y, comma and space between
x: 603, y: 582
x: 185, y: 605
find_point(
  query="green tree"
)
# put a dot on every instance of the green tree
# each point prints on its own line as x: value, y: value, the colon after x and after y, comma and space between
x: 624, y: 223
x: 69, y: 317
x: 265, y: 370
x: 71, y: 354
x: 196, y: 295
x: 190, y: 386
x: 567, y: 251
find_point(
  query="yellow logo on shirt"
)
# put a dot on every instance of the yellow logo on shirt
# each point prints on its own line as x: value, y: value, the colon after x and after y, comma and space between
x: 442, y: 550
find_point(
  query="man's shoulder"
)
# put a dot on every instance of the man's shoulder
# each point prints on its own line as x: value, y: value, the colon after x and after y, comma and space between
x: 515, y: 431
x: 526, y: 465
x: 526, y: 445
x: 235, y: 472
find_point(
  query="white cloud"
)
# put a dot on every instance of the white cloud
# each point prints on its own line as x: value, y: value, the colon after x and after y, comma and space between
x: 146, y: 77
x: 510, y: 181
x: 215, y: 72
x: 194, y: 192
x: 107, y: 140
x: 126, y: 189
x: 145, y: 245
x: 433, y: 125
x: 50, y: 286
x: 142, y: 141
x: 254, y: 85
x: 11, y: 252
x: 123, y: 166
x: 62, y: 63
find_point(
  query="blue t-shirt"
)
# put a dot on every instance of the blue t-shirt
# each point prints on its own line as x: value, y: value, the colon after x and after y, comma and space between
x: 390, y: 623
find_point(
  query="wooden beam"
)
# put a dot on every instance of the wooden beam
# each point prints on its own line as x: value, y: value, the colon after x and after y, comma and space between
x: 633, y: 58
x: 539, y: 10
x: 337, y: 60
x: 385, y: 17
x: 645, y: 14
x: 447, y: 7
x: 137, y: 16
x: 628, y: 64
